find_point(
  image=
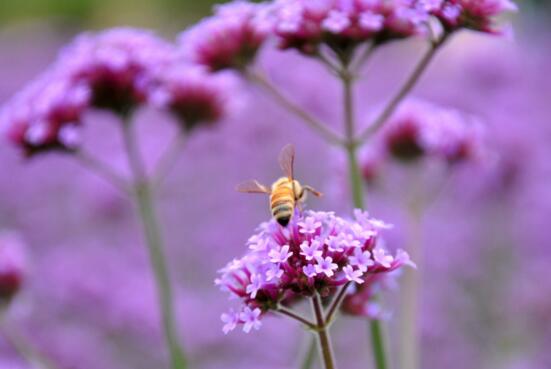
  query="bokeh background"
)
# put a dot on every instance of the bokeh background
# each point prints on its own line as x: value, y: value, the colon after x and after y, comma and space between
x: 89, y: 301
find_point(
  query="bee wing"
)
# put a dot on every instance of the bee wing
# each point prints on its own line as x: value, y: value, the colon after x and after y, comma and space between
x: 287, y: 160
x: 252, y: 186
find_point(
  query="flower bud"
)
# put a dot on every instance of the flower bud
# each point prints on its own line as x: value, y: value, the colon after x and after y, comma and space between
x: 12, y: 266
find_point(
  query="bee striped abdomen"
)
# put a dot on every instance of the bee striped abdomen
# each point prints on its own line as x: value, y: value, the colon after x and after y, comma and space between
x: 282, y: 202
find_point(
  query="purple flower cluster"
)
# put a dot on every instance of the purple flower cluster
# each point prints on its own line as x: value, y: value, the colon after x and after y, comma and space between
x: 341, y: 24
x: 422, y: 130
x: 230, y: 38
x: 12, y: 266
x: 316, y: 252
x: 118, y: 66
x: 46, y: 114
x: 117, y: 70
x: 192, y: 94
x: 476, y: 15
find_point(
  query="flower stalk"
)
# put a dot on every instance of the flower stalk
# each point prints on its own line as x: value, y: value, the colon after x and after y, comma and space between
x: 409, y: 348
x: 324, y: 341
x: 314, y: 123
x: 307, y: 361
x: 295, y: 316
x: 356, y: 184
x: 154, y: 241
x: 404, y: 90
x: 26, y: 350
x: 102, y: 170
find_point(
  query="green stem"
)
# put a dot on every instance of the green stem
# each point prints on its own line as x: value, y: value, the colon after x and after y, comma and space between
x: 355, y: 175
x: 26, y: 350
x: 404, y: 90
x: 320, y: 127
x: 409, y: 353
x: 324, y: 341
x: 378, y: 343
x: 155, y: 246
x: 375, y: 326
x: 309, y: 355
x: 291, y: 314
x: 102, y: 170
x: 336, y: 303
x: 168, y: 160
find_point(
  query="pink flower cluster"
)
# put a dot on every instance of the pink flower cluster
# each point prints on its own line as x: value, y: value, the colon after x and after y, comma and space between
x: 12, y: 266
x: 477, y: 15
x: 118, y: 70
x: 315, y: 253
x: 118, y: 65
x: 230, y: 38
x: 422, y: 130
x: 46, y: 114
x: 193, y: 95
x: 342, y: 24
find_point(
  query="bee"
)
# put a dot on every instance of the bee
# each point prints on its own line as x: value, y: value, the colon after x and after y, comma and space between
x: 286, y: 193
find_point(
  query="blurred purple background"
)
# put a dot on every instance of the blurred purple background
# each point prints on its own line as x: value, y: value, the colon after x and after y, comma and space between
x: 89, y: 301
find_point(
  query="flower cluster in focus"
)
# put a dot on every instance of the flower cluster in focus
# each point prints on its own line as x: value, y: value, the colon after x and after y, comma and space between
x: 12, y: 266
x: 315, y: 253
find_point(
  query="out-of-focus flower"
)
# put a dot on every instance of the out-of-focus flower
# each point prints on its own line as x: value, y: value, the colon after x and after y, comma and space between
x: 46, y: 114
x: 193, y: 95
x: 316, y: 252
x: 118, y: 65
x: 343, y: 24
x: 477, y: 15
x: 230, y: 38
x: 12, y: 266
x: 113, y: 69
x: 360, y: 300
x: 419, y: 129
x: 117, y: 70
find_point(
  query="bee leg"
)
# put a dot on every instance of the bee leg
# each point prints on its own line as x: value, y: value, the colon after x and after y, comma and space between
x: 312, y: 191
x: 299, y: 206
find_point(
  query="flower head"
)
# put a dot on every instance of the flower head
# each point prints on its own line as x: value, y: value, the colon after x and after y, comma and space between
x: 12, y: 266
x: 46, y: 114
x: 117, y: 69
x: 117, y: 65
x: 194, y: 96
x: 230, y: 38
x: 343, y: 24
x: 477, y: 15
x: 421, y: 129
x: 113, y: 69
x: 298, y: 264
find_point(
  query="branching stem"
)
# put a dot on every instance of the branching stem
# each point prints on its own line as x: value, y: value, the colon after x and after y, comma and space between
x: 321, y: 128
x: 406, y: 88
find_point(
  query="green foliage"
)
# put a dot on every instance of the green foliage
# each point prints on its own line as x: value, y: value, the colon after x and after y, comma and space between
x: 163, y: 13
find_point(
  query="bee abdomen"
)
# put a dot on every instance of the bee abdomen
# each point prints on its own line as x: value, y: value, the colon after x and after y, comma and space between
x: 282, y: 203
x: 282, y: 213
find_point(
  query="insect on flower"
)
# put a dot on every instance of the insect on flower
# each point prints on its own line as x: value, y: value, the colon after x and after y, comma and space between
x: 285, y: 193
